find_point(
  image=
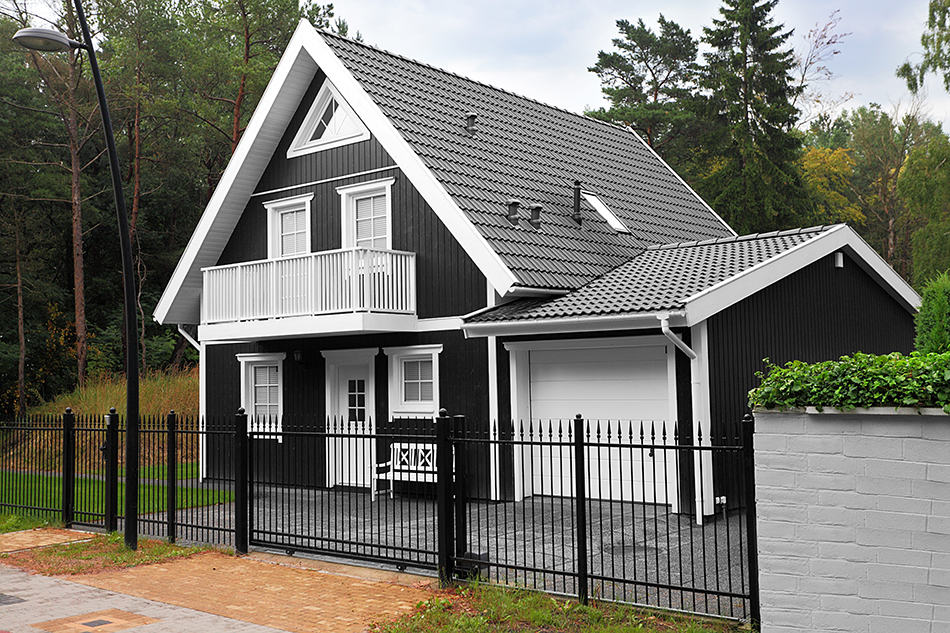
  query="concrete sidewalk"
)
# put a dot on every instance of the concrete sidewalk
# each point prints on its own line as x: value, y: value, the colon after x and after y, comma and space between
x: 30, y: 603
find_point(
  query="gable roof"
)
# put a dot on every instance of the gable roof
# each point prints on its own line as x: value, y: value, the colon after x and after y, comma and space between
x: 523, y: 149
x: 695, y: 279
x: 533, y: 152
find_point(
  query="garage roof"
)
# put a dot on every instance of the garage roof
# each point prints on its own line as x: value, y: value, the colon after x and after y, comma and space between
x: 671, y: 277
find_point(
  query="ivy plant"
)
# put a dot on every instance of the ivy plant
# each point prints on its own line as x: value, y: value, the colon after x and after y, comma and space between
x: 862, y: 380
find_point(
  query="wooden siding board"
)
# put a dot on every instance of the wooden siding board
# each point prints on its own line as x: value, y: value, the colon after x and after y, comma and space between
x: 448, y: 283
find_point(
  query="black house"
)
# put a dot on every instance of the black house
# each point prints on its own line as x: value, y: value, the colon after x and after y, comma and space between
x: 390, y: 239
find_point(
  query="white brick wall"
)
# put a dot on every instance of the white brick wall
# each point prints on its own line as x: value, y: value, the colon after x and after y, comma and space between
x: 853, y: 521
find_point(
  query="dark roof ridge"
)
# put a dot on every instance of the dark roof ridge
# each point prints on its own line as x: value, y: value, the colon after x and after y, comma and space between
x: 821, y: 228
x: 481, y: 83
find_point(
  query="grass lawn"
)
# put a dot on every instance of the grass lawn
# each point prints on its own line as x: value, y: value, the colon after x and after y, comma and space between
x: 488, y: 609
x: 99, y: 553
x: 45, y: 490
x: 17, y: 522
x: 184, y: 470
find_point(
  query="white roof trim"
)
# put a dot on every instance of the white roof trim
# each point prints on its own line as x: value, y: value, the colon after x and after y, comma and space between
x: 180, y: 301
x: 566, y: 325
x: 720, y: 296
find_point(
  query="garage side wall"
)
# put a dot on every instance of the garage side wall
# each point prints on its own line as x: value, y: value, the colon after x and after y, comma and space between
x: 818, y: 313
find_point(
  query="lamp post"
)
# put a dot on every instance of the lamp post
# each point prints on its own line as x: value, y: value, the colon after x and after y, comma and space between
x: 48, y: 40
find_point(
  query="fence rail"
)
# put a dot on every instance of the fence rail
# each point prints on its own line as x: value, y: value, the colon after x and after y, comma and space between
x: 612, y: 510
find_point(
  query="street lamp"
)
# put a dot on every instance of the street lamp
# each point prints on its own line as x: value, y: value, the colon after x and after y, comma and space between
x: 48, y: 40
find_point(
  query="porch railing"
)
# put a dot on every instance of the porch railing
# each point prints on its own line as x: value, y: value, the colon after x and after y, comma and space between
x: 327, y: 282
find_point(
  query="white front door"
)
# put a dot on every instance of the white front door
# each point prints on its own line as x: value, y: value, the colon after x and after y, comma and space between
x: 351, y: 442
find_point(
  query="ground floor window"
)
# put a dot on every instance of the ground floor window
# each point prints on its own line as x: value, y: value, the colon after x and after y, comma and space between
x: 262, y: 389
x: 414, y: 380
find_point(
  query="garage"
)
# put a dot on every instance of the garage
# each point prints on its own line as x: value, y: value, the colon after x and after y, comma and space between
x: 612, y: 382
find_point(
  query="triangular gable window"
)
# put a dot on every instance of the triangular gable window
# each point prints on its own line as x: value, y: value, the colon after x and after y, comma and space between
x: 329, y: 123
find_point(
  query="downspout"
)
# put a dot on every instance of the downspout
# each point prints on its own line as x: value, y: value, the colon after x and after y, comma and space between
x: 677, y: 341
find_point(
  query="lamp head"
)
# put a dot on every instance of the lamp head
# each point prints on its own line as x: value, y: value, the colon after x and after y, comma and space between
x: 45, y: 40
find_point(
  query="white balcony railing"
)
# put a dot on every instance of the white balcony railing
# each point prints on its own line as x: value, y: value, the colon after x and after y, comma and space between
x: 328, y: 282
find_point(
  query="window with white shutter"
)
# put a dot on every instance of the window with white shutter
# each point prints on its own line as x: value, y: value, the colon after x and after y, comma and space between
x: 367, y: 214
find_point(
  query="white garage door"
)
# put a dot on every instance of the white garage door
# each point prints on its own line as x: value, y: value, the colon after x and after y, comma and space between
x: 616, y: 386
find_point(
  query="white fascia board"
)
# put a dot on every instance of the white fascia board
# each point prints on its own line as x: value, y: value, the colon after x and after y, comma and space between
x: 488, y: 261
x: 179, y: 302
x: 264, y: 130
x: 641, y: 321
x: 728, y: 292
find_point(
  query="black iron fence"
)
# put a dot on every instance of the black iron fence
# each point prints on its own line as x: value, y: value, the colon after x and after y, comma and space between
x: 637, y: 512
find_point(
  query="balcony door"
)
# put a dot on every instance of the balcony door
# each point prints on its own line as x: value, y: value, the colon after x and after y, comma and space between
x: 351, y: 443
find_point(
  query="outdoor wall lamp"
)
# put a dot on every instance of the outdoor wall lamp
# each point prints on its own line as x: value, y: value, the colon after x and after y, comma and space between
x: 50, y: 41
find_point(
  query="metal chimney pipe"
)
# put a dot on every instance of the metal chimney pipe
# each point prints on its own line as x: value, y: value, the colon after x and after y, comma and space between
x: 513, y: 206
x: 535, y: 219
x: 470, y: 119
x: 576, y: 215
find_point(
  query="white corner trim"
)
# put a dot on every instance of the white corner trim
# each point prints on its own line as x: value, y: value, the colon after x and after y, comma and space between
x: 301, y: 145
x: 682, y: 182
x: 720, y: 296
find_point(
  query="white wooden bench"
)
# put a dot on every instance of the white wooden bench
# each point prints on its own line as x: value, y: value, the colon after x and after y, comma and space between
x: 409, y: 461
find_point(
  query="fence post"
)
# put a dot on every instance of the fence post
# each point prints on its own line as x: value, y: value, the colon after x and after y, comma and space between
x: 69, y: 466
x: 112, y: 471
x: 171, y: 474
x: 444, y: 497
x: 461, y: 494
x: 748, y: 452
x: 240, y: 482
x: 580, y: 500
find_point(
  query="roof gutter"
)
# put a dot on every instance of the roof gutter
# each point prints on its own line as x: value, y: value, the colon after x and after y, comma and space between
x: 520, y: 327
x: 677, y: 341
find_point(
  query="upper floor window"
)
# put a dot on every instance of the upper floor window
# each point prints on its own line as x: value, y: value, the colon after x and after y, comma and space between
x: 367, y: 213
x: 288, y: 226
x: 329, y: 123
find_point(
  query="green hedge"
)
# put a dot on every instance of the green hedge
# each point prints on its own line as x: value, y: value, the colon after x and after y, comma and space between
x: 862, y: 380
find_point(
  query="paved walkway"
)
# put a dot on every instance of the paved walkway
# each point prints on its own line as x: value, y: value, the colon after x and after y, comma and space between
x: 206, y: 593
x: 30, y: 604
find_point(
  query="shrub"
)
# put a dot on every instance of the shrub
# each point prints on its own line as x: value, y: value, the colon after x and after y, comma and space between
x: 861, y: 380
x: 933, y: 320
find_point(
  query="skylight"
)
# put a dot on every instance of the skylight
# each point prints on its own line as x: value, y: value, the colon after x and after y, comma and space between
x: 604, y: 212
x: 329, y: 123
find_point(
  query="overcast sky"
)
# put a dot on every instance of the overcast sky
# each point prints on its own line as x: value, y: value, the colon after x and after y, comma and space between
x: 542, y: 49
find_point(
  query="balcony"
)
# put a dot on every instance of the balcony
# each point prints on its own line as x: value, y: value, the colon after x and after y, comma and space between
x: 354, y: 289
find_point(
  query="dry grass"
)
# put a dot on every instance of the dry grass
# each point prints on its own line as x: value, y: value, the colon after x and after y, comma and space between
x: 160, y: 392
x: 100, y: 553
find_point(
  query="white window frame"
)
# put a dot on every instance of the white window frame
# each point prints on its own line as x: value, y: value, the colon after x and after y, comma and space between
x: 605, y: 212
x: 302, y: 145
x: 248, y: 363
x: 282, y: 205
x: 397, y: 402
x: 349, y: 194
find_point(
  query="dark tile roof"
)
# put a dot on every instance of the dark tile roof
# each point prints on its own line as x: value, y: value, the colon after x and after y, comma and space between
x: 662, y: 277
x: 533, y: 152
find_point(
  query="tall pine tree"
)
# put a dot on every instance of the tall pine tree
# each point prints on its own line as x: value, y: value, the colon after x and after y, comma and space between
x: 753, y: 179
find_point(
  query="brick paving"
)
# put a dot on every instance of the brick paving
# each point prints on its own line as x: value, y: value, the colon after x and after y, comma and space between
x: 323, y: 598
x: 44, y: 600
x: 40, y: 537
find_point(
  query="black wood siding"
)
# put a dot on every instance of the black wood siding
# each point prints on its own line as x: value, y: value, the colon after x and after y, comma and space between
x: 463, y: 390
x: 447, y: 281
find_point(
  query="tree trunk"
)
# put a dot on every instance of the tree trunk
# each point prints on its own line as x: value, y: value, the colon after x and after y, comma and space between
x: 79, y: 285
x: 21, y: 330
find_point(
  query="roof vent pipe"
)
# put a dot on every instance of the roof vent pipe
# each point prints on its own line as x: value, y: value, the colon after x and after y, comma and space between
x: 576, y: 215
x: 513, y: 207
x: 470, y: 119
x: 535, y: 219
